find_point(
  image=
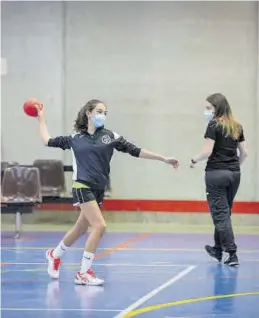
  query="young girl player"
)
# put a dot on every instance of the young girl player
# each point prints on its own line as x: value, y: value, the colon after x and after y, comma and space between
x: 92, y: 148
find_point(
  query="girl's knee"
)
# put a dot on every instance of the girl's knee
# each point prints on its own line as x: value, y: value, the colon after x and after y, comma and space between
x: 100, y: 227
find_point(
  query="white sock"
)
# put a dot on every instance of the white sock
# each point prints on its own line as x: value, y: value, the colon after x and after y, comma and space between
x: 87, y: 261
x: 59, y: 250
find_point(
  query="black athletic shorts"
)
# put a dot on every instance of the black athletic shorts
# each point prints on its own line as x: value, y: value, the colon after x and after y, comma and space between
x: 85, y: 194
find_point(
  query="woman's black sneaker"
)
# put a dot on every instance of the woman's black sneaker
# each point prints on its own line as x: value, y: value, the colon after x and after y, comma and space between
x: 232, y: 260
x: 213, y: 252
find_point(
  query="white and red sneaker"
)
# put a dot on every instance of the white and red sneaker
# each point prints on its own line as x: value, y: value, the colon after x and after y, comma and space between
x: 88, y: 278
x: 54, y: 264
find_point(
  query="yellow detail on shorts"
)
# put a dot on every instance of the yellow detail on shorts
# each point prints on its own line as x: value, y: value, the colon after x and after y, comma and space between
x: 79, y: 185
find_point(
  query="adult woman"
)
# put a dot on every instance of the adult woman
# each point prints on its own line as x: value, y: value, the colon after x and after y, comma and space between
x: 92, y: 148
x: 224, y: 135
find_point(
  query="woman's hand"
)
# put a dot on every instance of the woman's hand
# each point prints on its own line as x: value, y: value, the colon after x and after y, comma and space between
x: 192, y: 163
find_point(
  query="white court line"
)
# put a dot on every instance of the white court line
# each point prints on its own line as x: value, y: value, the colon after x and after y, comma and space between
x: 155, y: 291
x: 60, y: 309
x: 126, y: 249
x: 103, y: 264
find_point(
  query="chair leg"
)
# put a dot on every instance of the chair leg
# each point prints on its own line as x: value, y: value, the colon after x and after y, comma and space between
x: 18, y: 223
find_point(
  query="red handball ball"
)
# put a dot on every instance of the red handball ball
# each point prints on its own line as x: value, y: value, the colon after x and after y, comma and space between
x: 30, y: 107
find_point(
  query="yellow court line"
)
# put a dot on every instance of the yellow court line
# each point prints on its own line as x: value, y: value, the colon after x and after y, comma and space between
x: 184, y: 302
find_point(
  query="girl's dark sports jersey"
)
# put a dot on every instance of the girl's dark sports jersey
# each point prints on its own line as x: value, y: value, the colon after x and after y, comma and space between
x: 92, y: 154
x: 224, y: 155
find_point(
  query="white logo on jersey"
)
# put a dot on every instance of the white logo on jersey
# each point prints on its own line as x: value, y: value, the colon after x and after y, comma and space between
x: 106, y: 139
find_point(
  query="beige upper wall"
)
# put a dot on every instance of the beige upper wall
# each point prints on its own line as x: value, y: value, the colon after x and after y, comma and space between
x: 153, y: 63
x: 256, y: 164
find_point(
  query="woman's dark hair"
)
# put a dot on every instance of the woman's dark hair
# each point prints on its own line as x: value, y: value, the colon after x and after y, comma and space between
x: 223, y: 115
x: 81, y: 122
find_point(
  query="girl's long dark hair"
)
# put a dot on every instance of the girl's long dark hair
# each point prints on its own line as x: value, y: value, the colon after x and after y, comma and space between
x: 81, y: 122
x: 223, y: 115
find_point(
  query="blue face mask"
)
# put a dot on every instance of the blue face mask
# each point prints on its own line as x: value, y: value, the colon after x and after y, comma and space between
x: 98, y: 120
x: 209, y: 114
